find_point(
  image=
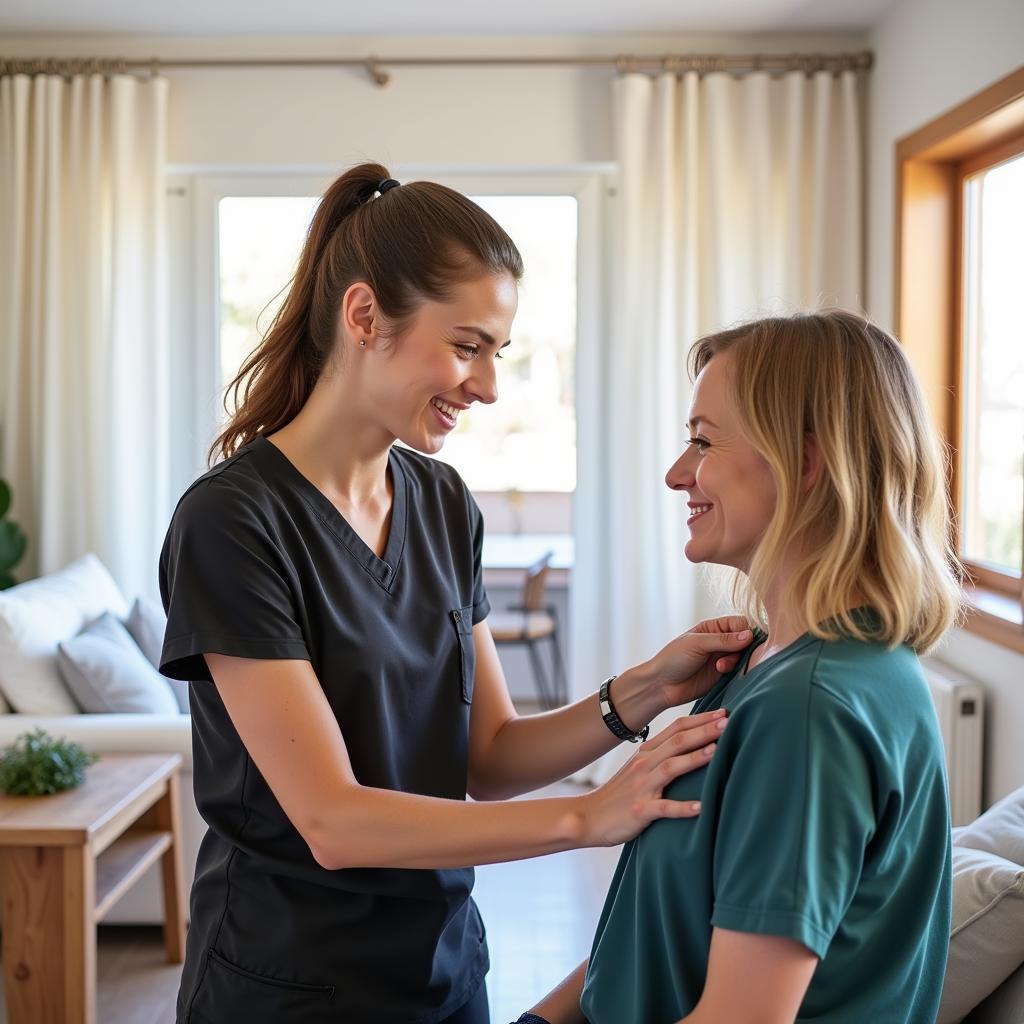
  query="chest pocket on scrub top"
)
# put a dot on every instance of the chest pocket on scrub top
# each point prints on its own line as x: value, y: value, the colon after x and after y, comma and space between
x: 462, y: 620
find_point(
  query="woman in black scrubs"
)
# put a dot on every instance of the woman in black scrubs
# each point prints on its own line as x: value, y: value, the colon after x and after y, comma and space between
x: 324, y: 596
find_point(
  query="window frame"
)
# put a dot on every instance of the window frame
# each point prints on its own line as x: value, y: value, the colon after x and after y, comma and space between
x: 932, y: 165
x: 1009, y: 586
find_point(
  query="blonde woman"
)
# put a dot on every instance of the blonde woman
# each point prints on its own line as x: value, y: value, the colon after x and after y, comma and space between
x: 815, y: 884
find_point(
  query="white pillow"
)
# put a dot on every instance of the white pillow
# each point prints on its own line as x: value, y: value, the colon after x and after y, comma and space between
x: 1000, y: 830
x: 108, y: 674
x: 35, y: 617
x: 147, y: 625
x: 987, y: 941
x: 987, y: 936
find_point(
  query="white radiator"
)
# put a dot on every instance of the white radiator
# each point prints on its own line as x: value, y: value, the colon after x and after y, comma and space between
x: 960, y: 706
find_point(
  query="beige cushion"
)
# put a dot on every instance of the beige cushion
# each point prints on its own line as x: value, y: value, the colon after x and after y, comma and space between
x: 987, y: 934
x: 510, y: 626
x: 1004, y: 1006
x: 38, y: 615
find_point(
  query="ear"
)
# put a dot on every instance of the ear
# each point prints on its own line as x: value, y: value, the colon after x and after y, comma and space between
x: 813, y: 465
x: 359, y: 313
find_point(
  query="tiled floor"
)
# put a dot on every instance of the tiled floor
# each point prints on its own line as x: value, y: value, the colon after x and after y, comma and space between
x: 540, y: 916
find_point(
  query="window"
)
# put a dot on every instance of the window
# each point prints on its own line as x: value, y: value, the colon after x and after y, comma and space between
x: 959, y: 253
x: 259, y: 242
x: 526, y: 441
x: 992, y: 370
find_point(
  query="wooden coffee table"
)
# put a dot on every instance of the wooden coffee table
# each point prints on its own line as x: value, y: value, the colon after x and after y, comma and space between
x: 65, y: 860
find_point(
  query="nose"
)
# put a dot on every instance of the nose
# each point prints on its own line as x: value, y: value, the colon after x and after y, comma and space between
x: 680, y: 474
x: 483, y: 384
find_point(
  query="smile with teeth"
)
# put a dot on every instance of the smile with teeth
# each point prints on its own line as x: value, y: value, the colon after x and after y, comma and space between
x: 449, y: 412
x: 696, y: 512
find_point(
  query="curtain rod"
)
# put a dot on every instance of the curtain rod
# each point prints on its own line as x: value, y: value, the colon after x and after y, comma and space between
x: 737, y: 64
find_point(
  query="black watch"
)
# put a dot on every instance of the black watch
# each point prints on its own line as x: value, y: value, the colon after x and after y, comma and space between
x: 531, y: 1018
x: 611, y: 718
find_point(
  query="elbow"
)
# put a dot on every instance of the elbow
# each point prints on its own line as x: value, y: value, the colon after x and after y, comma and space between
x: 329, y: 838
x: 482, y: 791
x: 334, y: 856
x: 325, y: 852
x: 330, y: 860
x: 477, y: 790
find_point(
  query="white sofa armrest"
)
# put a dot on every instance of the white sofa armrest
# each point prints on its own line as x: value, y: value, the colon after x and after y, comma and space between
x: 110, y: 734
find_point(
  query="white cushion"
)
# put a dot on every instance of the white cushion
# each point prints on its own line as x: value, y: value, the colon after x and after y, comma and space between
x: 987, y: 935
x: 35, y: 617
x: 1000, y: 830
x: 987, y: 941
x: 107, y: 673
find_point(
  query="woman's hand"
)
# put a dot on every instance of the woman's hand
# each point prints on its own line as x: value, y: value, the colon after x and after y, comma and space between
x: 632, y: 798
x: 687, y: 667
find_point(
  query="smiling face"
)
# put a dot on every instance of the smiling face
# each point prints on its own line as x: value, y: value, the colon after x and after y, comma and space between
x: 443, y: 362
x: 731, y: 490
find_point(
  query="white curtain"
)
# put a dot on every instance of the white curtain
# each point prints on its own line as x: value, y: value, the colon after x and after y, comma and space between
x: 83, y: 343
x: 736, y: 198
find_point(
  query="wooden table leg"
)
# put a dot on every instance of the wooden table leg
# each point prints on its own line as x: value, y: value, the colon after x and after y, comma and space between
x: 79, y: 935
x: 167, y: 815
x: 49, y: 937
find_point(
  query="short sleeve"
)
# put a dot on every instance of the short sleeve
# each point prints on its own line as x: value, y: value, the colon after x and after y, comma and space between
x: 795, y: 817
x: 225, y: 584
x: 481, y: 605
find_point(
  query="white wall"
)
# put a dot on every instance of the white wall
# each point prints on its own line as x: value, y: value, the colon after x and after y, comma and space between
x: 931, y: 55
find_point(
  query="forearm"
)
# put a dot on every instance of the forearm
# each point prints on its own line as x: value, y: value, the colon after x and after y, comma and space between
x: 382, y: 828
x: 531, y: 751
x: 562, y: 1004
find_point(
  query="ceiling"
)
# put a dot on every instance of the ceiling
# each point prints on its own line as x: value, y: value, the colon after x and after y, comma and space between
x: 432, y: 17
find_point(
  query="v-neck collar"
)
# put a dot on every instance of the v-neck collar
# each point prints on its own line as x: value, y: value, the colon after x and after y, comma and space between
x: 383, y: 569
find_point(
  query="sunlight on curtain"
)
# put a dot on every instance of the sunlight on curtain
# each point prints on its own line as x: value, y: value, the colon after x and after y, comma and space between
x: 83, y: 350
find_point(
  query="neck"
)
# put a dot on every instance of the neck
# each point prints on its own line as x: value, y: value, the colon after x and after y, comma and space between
x: 783, y: 626
x: 336, y: 445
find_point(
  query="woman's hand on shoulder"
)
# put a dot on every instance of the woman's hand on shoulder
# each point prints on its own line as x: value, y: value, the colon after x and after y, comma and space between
x: 687, y: 667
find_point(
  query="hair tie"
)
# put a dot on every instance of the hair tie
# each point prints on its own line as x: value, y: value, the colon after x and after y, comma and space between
x: 386, y: 185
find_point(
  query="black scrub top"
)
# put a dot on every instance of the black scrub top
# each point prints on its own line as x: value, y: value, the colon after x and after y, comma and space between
x: 258, y: 563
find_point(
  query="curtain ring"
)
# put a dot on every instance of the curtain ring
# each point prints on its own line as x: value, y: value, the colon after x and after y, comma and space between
x: 376, y: 72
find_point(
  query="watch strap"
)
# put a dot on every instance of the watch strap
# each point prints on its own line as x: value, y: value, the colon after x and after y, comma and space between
x: 611, y: 717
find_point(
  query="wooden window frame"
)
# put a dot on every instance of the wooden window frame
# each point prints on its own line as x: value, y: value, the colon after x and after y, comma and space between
x: 931, y: 166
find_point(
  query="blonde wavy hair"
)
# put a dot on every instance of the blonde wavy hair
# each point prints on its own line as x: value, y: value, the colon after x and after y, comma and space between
x: 875, y: 525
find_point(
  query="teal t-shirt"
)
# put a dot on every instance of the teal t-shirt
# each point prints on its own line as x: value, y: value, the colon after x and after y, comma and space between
x: 824, y: 818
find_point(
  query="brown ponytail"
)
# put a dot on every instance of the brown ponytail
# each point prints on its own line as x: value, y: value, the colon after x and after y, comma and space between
x: 409, y: 244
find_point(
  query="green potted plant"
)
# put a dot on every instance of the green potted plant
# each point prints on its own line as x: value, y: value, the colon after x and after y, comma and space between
x: 36, y: 764
x: 12, y: 539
